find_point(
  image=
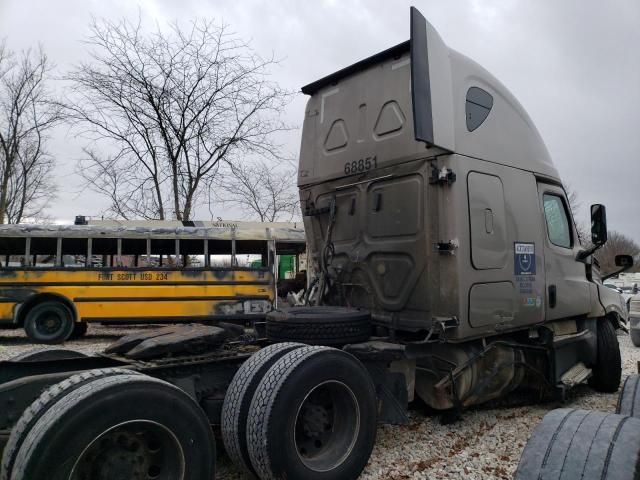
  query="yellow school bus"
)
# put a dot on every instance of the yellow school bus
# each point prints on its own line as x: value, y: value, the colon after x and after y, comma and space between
x: 55, y: 279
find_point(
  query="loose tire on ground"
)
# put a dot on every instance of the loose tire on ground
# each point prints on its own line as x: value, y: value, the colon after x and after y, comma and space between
x: 48, y: 398
x: 123, y: 426
x: 629, y: 398
x: 313, y: 417
x: 589, y: 445
x: 235, y: 409
x: 320, y: 325
x: 49, y: 322
x: 607, y: 373
x: 43, y: 354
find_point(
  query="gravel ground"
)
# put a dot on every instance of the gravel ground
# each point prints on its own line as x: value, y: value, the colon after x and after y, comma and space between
x: 486, y: 444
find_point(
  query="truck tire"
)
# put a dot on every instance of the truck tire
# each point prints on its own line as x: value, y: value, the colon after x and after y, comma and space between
x: 48, y: 398
x: 607, y: 372
x: 629, y: 398
x: 313, y: 417
x: 321, y: 325
x: 237, y: 401
x: 44, y: 354
x: 49, y: 322
x: 123, y: 426
x: 635, y: 337
x: 583, y: 444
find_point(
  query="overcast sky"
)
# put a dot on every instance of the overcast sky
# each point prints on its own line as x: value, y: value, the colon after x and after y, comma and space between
x: 573, y: 64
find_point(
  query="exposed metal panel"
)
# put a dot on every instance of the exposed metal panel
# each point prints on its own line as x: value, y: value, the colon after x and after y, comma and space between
x: 491, y: 303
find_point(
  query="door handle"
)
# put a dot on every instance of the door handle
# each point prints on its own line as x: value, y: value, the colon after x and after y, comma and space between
x: 553, y: 294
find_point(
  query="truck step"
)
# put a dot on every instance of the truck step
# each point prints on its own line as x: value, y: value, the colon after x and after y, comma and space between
x: 575, y: 375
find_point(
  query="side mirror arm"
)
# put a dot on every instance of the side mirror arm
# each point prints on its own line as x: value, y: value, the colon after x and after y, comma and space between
x: 612, y: 274
x: 583, y: 254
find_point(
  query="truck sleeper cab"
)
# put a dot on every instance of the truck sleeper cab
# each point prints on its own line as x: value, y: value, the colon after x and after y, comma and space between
x: 438, y: 209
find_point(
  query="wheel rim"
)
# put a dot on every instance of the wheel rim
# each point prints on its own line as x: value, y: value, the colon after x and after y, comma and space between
x: 134, y: 450
x: 50, y: 323
x: 327, y: 426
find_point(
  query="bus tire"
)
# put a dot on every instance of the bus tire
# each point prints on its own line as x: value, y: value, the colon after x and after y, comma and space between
x: 332, y: 326
x: 607, y: 372
x: 39, y: 406
x: 313, y: 416
x: 629, y: 398
x: 237, y: 401
x: 584, y: 444
x: 49, y: 322
x: 79, y: 330
x: 45, y: 354
x: 123, y: 426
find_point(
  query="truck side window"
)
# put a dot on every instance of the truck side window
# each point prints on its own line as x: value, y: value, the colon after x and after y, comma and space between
x: 555, y: 213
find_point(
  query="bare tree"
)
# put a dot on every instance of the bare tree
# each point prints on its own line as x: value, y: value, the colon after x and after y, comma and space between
x: 27, y: 112
x: 170, y: 106
x: 260, y: 190
x: 574, y: 205
x: 617, y: 244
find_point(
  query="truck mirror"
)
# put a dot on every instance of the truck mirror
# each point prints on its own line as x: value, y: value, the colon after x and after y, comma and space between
x: 625, y: 261
x: 598, y: 224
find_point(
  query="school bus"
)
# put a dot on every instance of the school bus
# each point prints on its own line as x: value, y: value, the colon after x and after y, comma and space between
x: 55, y: 279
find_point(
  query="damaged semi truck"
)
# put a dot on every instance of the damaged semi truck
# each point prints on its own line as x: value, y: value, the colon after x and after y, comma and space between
x: 448, y: 268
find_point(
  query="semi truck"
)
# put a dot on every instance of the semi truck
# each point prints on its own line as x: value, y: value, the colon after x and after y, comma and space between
x: 448, y: 268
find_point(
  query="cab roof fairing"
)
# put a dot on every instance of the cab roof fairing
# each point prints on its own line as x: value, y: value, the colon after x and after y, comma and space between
x: 507, y: 136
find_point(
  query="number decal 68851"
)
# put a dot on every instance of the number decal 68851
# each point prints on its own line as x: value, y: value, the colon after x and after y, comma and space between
x: 361, y: 165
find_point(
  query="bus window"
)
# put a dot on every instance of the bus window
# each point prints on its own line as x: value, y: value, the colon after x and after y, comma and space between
x: 104, y: 251
x: 43, y: 251
x: 163, y: 250
x: 12, y: 251
x: 192, y: 252
x: 220, y: 252
x: 252, y: 253
x: 132, y: 250
x: 74, y: 252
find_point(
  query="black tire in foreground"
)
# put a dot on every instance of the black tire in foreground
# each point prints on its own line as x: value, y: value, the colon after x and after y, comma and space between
x: 313, y: 417
x: 48, y: 398
x: 320, y: 325
x: 43, y: 354
x: 49, y: 322
x: 629, y: 398
x: 588, y: 445
x: 607, y: 372
x: 237, y: 400
x: 123, y: 426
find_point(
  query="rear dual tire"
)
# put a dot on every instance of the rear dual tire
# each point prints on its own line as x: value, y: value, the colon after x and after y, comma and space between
x: 124, y: 425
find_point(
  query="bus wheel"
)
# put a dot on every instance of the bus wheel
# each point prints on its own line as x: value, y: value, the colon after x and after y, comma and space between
x: 237, y: 400
x: 46, y: 399
x: 123, y: 426
x: 582, y: 444
x: 313, y: 416
x: 629, y: 398
x: 79, y: 330
x: 607, y: 372
x: 49, y: 322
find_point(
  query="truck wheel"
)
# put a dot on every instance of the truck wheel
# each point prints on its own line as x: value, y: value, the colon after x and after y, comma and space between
x: 44, y: 354
x: 49, y: 322
x: 319, y: 325
x: 313, y: 416
x: 635, y: 337
x: 48, y: 398
x: 235, y: 409
x: 79, y: 330
x: 629, y: 398
x: 607, y: 372
x: 123, y: 426
x: 584, y: 444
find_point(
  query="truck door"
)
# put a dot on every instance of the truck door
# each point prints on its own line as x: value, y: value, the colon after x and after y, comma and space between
x: 567, y: 287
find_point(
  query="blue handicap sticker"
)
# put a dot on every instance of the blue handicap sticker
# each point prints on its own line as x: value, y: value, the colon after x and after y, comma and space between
x: 524, y: 262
